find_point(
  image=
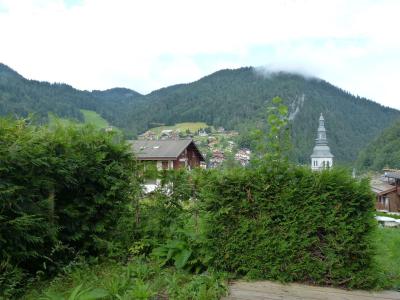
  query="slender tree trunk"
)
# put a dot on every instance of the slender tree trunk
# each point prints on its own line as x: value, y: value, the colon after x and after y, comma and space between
x: 51, y: 206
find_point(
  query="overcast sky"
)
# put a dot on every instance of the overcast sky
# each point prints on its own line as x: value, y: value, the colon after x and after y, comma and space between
x: 145, y: 45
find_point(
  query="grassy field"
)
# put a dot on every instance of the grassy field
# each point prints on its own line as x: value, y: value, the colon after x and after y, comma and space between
x: 53, y: 119
x: 193, y: 126
x: 92, y: 117
x: 388, y: 255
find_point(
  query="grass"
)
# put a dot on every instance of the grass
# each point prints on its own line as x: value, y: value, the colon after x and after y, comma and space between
x: 92, y: 117
x: 192, y: 126
x: 53, y: 119
x: 388, y: 256
x: 138, y: 279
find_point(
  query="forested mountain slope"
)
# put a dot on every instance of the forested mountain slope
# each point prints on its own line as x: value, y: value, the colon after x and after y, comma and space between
x: 234, y: 99
x: 19, y: 97
x: 384, y: 151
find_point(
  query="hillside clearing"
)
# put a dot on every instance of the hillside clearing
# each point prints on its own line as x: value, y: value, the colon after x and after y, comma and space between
x: 92, y: 117
x: 182, y: 127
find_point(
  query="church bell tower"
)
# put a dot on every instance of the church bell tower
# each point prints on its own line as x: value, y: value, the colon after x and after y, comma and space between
x: 321, y: 158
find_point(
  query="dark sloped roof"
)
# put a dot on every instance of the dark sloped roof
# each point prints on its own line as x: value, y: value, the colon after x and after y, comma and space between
x: 393, y: 174
x: 160, y: 149
x: 380, y: 187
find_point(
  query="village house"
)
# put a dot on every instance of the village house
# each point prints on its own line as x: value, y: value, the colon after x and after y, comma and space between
x: 217, y: 158
x: 148, y: 135
x: 168, y: 154
x: 202, y: 133
x: 169, y: 134
x: 387, y: 191
x: 231, y: 133
x: 243, y: 156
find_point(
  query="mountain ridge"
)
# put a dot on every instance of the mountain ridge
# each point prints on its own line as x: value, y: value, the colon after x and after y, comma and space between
x: 232, y: 98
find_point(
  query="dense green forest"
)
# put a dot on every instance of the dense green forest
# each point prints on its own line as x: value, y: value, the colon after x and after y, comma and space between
x: 384, y: 151
x: 20, y: 97
x: 234, y: 99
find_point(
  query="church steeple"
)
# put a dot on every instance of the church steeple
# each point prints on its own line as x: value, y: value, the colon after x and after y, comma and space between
x: 321, y: 138
x: 321, y: 158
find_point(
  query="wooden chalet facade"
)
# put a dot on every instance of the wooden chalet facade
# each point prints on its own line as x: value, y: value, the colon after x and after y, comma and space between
x: 168, y: 154
x: 387, y: 191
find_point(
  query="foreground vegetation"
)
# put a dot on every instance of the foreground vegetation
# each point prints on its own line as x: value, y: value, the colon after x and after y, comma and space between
x: 387, y: 243
x: 136, y: 279
x: 143, y: 279
x: 75, y: 225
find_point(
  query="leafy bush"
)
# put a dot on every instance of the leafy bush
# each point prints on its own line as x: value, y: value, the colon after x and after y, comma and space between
x: 287, y: 223
x: 61, y: 192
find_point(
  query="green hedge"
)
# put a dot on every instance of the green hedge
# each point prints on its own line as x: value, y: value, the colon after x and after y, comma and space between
x: 61, y: 192
x: 291, y: 224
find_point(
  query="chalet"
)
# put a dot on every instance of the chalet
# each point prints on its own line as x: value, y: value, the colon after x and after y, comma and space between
x: 148, y: 135
x: 387, y: 191
x: 168, y: 154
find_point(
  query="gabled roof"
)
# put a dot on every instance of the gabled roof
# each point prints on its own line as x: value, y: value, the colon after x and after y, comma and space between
x: 393, y: 174
x: 161, y: 149
x: 380, y: 187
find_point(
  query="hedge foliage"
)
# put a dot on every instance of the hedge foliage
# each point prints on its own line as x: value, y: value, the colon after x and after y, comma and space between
x: 288, y: 223
x: 61, y: 192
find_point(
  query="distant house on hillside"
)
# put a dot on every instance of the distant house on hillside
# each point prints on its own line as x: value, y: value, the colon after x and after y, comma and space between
x: 168, y: 154
x: 387, y: 191
x: 148, y: 135
x: 202, y: 133
x: 168, y: 134
x: 217, y: 158
x: 243, y: 156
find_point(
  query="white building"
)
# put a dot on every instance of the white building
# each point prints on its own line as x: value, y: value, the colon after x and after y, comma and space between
x: 321, y: 158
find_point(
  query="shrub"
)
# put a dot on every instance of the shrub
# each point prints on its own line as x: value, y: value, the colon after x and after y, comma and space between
x: 290, y: 224
x: 61, y: 192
